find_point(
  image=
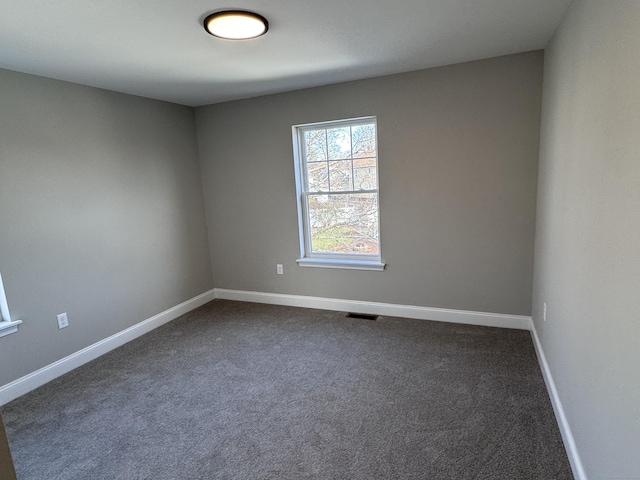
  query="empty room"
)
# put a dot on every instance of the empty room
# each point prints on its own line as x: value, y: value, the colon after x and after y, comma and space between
x: 320, y: 240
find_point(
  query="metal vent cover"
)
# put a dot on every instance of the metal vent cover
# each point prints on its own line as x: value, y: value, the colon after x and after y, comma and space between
x: 362, y: 316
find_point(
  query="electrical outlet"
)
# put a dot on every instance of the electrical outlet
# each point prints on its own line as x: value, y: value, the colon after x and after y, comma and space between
x: 279, y: 269
x: 63, y: 321
x: 544, y: 312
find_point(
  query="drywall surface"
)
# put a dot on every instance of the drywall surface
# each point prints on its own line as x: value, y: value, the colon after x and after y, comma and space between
x: 587, y: 267
x: 458, y: 151
x: 101, y: 215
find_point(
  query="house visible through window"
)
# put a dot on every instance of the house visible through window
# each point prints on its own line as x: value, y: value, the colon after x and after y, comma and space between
x: 337, y: 187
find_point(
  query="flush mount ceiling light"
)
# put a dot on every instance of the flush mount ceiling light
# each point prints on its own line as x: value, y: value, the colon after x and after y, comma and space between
x: 236, y: 25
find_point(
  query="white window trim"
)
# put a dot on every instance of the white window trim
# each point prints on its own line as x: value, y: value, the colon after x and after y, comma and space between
x: 330, y: 260
x: 7, y: 326
x: 341, y: 263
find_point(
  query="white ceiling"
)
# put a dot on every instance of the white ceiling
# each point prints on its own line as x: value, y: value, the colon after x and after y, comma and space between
x: 159, y: 49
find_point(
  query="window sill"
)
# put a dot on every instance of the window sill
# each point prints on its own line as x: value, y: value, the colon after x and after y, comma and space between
x: 344, y: 264
x: 7, y: 328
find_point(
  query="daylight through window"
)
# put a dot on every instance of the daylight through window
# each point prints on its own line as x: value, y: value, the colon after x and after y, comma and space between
x: 337, y: 183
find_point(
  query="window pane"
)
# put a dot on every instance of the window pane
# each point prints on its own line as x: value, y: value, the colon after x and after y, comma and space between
x: 364, y: 170
x: 315, y: 145
x: 339, y: 143
x: 340, y: 175
x: 317, y: 177
x: 363, y: 140
x: 344, y: 223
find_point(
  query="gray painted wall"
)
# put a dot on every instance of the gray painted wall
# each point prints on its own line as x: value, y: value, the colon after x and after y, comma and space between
x: 587, y: 266
x: 101, y: 211
x: 458, y: 151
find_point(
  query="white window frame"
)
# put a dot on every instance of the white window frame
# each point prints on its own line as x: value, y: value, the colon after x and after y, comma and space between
x: 329, y: 260
x: 7, y: 326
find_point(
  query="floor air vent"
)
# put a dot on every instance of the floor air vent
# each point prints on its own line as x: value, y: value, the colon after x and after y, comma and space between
x: 362, y: 316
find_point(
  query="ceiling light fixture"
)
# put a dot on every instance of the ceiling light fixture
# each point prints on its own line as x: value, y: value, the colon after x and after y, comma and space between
x: 236, y: 25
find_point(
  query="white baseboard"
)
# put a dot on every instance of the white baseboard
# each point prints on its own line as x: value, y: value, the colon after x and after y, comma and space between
x: 519, y: 322
x: 561, y: 418
x: 29, y: 382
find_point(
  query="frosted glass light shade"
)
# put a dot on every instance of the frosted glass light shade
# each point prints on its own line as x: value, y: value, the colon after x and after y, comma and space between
x: 236, y: 25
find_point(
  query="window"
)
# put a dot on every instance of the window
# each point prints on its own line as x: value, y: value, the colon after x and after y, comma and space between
x: 337, y: 188
x: 6, y: 325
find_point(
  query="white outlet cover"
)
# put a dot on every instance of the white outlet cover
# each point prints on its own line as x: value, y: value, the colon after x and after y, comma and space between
x: 63, y: 321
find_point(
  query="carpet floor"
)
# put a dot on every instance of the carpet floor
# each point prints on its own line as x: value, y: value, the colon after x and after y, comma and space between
x: 237, y: 390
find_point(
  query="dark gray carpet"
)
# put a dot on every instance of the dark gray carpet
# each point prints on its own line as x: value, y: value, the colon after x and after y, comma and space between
x: 247, y: 391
